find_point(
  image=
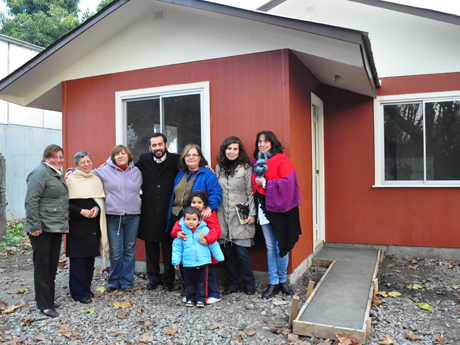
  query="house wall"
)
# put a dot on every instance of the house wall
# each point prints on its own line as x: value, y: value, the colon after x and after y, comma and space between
x: 358, y: 213
x: 248, y: 93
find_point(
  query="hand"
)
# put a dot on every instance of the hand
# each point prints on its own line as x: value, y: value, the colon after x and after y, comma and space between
x: 35, y: 233
x: 102, y: 165
x: 180, y: 234
x: 251, y: 220
x: 176, y: 267
x: 203, y: 241
x: 210, y: 168
x: 94, y: 212
x: 86, y: 213
x: 206, y: 213
x: 260, y: 181
x: 67, y: 174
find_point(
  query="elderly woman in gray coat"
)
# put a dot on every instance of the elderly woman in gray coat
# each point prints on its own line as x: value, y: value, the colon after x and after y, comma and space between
x: 234, y: 175
x: 47, y: 218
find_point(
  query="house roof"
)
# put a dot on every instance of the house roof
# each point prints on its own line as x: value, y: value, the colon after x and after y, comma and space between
x: 37, y: 82
x: 416, y: 11
x: 20, y: 43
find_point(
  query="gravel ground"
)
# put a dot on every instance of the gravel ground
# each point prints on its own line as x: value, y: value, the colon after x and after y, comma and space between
x: 158, y: 317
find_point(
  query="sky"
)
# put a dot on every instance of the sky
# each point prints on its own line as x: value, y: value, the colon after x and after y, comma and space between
x: 448, y: 6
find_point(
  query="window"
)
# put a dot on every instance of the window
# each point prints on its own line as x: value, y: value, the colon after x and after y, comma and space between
x: 421, y: 142
x: 179, y: 111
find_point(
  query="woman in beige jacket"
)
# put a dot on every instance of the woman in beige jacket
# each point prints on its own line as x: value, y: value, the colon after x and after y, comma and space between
x: 234, y: 175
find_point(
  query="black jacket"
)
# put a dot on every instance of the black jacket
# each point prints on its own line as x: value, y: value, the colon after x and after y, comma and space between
x: 157, y: 189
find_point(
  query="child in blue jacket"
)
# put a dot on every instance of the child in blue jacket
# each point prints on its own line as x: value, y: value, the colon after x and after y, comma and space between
x: 195, y: 256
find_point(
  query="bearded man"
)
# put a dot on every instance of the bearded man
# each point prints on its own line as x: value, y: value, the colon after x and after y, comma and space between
x: 159, y: 169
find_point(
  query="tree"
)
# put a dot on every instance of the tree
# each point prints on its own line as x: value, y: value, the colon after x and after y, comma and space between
x: 102, y: 4
x: 40, y: 22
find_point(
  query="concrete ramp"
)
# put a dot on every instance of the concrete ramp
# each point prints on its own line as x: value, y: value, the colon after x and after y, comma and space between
x: 341, y: 301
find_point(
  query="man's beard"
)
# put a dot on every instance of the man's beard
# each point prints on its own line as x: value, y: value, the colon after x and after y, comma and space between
x: 162, y: 154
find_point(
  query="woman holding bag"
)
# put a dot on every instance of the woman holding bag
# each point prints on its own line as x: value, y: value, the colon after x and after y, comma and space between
x: 234, y: 175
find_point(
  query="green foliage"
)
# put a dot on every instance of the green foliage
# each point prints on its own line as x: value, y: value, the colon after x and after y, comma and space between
x: 15, y: 236
x: 102, y: 4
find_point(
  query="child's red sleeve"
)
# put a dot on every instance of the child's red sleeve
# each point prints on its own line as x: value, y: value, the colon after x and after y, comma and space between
x: 214, y: 228
x: 176, y: 228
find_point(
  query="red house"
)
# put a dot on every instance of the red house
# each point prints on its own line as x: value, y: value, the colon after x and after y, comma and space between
x: 378, y: 160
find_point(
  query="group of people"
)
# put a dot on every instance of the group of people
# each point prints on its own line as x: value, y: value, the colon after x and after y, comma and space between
x: 176, y: 204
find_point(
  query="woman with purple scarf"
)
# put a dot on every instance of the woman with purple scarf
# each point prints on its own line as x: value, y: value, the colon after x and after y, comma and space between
x: 277, y: 193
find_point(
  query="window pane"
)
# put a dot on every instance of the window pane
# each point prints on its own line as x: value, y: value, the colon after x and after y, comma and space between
x: 182, y: 116
x: 403, y: 141
x: 442, y: 121
x: 142, y: 120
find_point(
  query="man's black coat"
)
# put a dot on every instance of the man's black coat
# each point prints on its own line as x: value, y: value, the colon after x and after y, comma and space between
x: 157, y: 189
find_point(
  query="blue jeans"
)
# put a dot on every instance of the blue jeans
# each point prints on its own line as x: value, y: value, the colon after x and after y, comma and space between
x: 122, y: 234
x: 277, y: 267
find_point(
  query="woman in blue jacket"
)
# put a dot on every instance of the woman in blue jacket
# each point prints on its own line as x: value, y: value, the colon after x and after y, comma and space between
x: 194, y: 175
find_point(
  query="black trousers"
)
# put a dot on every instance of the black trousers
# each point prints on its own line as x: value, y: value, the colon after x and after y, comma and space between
x: 81, y: 273
x: 152, y: 256
x: 196, y: 283
x: 237, y: 260
x: 46, y: 248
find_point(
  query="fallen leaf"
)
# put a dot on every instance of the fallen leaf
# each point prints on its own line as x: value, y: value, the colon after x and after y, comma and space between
x: 251, y: 333
x: 394, y: 294
x: 124, y: 305
x: 14, y: 341
x: 382, y: 293
x: 325, y: 342
x: 145, y: 339
x: 386, y: 341
x: 140, y: 310
x: 410, y: 267
x: 413, y: 261
x: 171, y: 331
x: 141, y: 320
x: 388, y: 320
x: 376, y: 301
x: 292, y: 337
x: 65, y: 331
x: 101, y: 289
x: 122, y: 315
x: 286, y: 331
x: 40, y: 337
x: 417, y: 287
x: 90, y: 311
x: 425, y: 306
x: 216, y: 325
x: 456, y: 287
x: 21, y: 291
x: 28, y: 320
x: 390, y: 265
x: 116, y: 334
x: 439, y: 339
x: 239, y: 336
x: 2, y: 270
x: 452, y: 265
x: 64, y: 320
x: 412, y: 336
x: 13, y: 308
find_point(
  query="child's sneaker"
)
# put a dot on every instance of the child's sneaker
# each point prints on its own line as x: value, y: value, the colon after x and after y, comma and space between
x: 200, y: 304
x: 212, y: 300
x: 189, y: 304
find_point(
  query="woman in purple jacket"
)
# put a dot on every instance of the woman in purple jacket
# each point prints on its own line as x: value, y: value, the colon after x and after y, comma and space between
x: 122, y: 183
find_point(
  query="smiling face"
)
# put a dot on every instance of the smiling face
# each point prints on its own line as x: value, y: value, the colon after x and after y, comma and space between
x: 85, y: 164
x: 232, y: 152
x: 191, y: 220
x: 192, y: 159
x: 158, y: 147
x: 198, y: 203
x: 264, y: 144
x: 56, y: 160
x: 121, y: 159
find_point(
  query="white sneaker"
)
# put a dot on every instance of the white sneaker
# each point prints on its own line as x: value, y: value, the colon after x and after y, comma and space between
x: 200, y: 304
x: 184, y: 299
x: 212, y: 300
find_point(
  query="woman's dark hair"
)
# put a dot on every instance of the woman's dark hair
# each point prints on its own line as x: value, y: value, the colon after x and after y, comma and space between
x: 228, y: 167
x: 198, y: 193
x: 51, y: 150
x: 119, y: 148
x: 271, y: 137
x: 81, y: 154
x: 183, y: 165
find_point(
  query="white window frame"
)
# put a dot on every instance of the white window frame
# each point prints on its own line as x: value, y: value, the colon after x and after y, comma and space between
x: 202, y: 88
x: 379, y: 138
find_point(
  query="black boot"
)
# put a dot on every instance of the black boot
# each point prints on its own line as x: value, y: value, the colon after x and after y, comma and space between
x: 286, y: 289
x: 271, y: 291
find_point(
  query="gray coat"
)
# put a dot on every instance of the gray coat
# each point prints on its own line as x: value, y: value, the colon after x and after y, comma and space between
x: 236, y: 189
x: 47, y: 201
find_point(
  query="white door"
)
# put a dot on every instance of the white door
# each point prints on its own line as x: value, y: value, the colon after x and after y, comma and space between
x: 318, y: 169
